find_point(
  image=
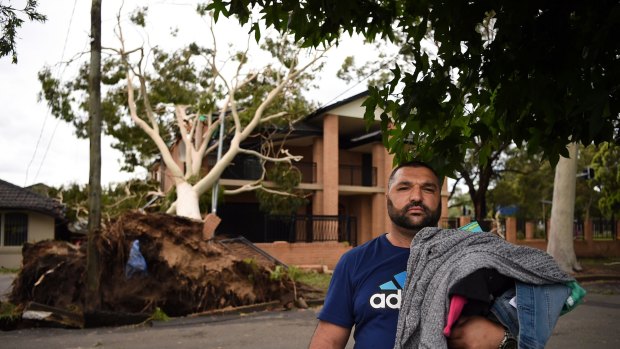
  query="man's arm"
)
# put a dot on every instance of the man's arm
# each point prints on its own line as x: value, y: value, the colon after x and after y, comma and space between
x: 329, y: 336
x: 476, y: 332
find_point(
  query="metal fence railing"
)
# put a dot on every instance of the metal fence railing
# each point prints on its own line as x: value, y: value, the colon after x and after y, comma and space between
x: 603, y: 229
x: 449, y: 223
x: 578, y: 230
x: 311, y: 228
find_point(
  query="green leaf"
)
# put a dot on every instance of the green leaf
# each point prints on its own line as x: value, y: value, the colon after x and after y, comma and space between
x: 256, y: 29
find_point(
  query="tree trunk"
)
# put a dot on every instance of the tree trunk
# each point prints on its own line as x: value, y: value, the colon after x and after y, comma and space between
x: 480, y: 205
x: 187, y: 201
x: 197, y: 159
x: 93, y: 268
x: 560, y: 244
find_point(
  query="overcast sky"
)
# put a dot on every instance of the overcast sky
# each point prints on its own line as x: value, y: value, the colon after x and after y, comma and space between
x: 36, y: 147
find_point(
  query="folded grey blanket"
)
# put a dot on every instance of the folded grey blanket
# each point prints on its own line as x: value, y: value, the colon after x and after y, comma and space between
x: 440, y: 258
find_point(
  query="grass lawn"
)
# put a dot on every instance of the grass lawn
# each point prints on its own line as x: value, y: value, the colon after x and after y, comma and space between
x: 4, y: 270
x: 598, y: 261
x: 315, y: 279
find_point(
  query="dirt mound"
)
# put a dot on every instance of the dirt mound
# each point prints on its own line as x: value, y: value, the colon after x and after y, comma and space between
x: 52, y: 274
x: 184, y: 274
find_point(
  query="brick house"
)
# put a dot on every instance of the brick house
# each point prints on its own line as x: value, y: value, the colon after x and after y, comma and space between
x: 25, y: 216
x: 345, y: 169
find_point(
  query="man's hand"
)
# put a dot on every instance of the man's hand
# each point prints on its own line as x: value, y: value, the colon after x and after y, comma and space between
x: 476, y: 332
x: 329, y: 336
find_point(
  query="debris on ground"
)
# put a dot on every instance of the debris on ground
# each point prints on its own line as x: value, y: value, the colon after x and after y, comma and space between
x: 181, y: 272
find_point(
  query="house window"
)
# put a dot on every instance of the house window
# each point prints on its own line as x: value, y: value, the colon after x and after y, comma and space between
x: 14, y: 228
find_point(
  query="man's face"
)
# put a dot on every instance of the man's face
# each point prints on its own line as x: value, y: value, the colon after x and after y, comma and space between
x: 414, y: 199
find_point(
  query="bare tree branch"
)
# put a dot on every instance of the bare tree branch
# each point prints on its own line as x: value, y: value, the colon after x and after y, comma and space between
x: 287, y: 158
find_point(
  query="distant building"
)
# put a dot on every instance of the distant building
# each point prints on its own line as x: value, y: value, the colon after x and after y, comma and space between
x: 345, y: 168
x: 25, y: 216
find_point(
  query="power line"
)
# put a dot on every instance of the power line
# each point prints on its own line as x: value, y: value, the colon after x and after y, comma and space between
x: 382, y: 66
x: 59, y: 75
x: 46, y: 150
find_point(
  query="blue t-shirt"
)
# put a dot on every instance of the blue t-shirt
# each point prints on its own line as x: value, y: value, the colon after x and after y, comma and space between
x: 365, y: 291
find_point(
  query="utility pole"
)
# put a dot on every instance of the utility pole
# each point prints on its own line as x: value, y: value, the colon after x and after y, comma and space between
x: 93, y: 266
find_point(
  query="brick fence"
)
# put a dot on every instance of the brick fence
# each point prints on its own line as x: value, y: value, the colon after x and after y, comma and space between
x: 306, y: 253
x: 328, y: 253
x: 586, y: 248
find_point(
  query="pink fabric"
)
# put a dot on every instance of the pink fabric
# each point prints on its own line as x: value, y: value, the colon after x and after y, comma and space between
x: 457, y: 302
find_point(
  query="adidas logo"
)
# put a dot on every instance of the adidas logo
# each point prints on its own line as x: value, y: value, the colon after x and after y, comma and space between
x: 390, y: 294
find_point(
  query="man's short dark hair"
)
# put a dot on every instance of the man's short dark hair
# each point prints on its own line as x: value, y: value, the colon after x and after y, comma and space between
x: 415, y: 164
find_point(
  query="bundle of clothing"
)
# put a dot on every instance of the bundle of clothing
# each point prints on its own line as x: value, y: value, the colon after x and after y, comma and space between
x: 454, y: 272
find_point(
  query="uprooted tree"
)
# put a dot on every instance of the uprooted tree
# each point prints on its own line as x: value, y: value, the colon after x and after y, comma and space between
x: 185, y: 97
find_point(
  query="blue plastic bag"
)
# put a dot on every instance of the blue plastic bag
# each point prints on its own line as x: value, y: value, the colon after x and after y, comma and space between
x: 136, y: 264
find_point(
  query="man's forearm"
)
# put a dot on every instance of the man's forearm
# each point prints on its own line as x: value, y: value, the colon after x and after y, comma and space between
x: 329, y: 336
x: 476, y: 332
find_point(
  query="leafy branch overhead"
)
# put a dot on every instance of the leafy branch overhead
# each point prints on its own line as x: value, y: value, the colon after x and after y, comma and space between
x: 11, y: 21
x: 537, y: 72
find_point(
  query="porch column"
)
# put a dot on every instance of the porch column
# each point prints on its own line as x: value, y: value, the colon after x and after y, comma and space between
x: 588, y: 230
x: 511, y: 229
x: 529, y: 230
x: 445, y: 194
x: 317, y: 157
x: 378, y: 209
x: 464, y: 220
x: 365, y: 219
x: 387, y: 170
x: 330, y: 165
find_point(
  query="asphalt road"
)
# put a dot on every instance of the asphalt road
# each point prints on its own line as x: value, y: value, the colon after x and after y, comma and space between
x: 594, y: 324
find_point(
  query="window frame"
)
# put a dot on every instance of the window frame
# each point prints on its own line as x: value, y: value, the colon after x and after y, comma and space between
x: 3, y: 228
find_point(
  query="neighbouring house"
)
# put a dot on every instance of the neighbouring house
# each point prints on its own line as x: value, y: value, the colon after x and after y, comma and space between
x: 25, y: 216
x: 345, y: 168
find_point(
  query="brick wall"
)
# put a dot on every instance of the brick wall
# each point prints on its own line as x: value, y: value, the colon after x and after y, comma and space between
x: 301, y: 253
x: 587, y: 248
x: 583, y: 249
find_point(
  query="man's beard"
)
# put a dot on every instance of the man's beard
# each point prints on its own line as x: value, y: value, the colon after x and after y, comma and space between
x: 402, y: 219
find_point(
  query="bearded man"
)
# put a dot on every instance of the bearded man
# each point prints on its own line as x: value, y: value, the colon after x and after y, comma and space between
x: 365, y: 290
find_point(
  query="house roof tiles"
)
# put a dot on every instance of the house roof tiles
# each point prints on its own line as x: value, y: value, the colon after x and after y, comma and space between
x: 17, y: 198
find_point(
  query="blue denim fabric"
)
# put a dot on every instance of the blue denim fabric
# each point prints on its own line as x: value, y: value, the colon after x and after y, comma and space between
x: 538, y: 309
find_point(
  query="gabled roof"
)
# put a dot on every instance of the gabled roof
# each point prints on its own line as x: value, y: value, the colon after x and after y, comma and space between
x: 329, y: 107
x: 17, y: 198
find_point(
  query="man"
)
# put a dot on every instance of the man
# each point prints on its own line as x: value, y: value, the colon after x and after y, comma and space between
x: 365, y: 290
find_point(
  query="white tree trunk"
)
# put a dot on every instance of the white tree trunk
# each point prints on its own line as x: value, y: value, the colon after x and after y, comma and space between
x: 187, y: 201
x: 560, y: 244
x: 196, y: 163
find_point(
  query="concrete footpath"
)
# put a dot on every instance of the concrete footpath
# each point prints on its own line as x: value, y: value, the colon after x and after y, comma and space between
x: 594, y: 324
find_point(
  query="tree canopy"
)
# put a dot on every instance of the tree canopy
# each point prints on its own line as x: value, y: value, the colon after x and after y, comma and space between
x: 547, y: 70
x: 607, y: 177
x: 525, y: 180
x: 11, y: 21
x: 171, y: 103
x: 177, y: 77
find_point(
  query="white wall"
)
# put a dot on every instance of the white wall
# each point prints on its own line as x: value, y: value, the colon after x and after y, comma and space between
x: 40, y: 227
